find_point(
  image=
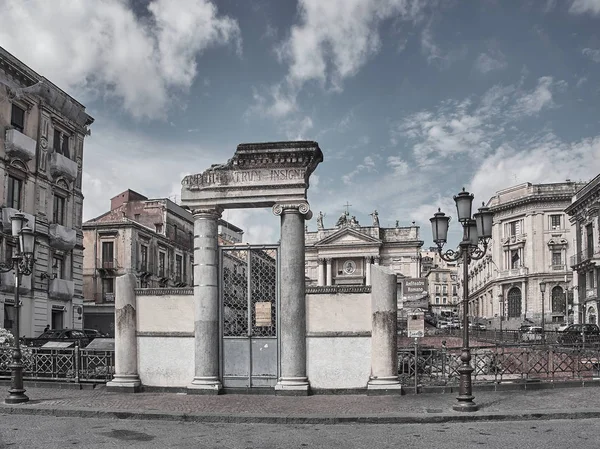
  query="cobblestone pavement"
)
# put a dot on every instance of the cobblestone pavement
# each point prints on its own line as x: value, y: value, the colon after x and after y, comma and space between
x: 540, y: 404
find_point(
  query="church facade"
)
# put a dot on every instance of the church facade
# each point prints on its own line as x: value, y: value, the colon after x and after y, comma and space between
x: 342, y: 255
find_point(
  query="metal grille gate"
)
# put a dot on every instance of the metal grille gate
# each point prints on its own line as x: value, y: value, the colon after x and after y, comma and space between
x: 249, y: 299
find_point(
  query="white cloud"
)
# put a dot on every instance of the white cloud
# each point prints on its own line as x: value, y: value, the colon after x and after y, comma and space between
x: 102, y: 48
x: 493, y: 60
x: 111, y: 154
x: 468, y: 127
x: 585, y: 6
x: 533, y: 102
x: 398, y: 165
x: 368, y: 165
x: 297, y: 129
x: 331, y: 42
x: 593, y: 54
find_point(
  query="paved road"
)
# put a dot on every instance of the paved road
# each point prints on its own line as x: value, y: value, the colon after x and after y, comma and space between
x: 50, y: 432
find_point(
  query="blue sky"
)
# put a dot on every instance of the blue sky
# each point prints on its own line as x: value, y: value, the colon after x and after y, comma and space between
x: 409, y: 100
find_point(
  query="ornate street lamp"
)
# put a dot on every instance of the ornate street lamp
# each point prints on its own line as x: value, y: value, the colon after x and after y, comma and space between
x: 476, y: 230
x: 543, y: 290
x: 22, y: 262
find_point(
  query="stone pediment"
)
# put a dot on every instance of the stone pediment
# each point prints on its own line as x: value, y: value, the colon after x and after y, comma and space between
x: 348, y: 237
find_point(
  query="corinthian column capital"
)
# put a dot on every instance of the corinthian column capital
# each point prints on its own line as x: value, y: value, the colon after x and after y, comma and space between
x: 208, y: 213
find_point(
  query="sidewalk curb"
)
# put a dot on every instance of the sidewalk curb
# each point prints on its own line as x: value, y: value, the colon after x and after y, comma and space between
x: 456, y: 417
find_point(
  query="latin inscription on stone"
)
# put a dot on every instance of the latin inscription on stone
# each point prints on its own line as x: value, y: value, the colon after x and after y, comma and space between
x: 245, y: 177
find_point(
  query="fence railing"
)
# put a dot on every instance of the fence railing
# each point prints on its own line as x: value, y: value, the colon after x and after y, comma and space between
x: 499, y: 363
x: 65, y: 364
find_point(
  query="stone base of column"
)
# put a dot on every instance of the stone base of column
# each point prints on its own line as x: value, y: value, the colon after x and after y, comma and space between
x: 292, y: 386
x: 205, y: 385
x: 125, y: 383
x: 384, y: 385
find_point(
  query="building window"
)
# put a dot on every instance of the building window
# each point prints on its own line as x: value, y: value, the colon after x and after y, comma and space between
x: 514, y: 302
x: 59, y: 210
x: 15, y: 189
x: 184, y: 277
x: 437, y: 289
x: 144, y: 258
x: 444, y: 300
x: 17, y: 118
x: 555, y: 222
x: 108, y: 255
x: 556, y: 258
x: 178, y: 268
x: 61, y: 143
x: 559, y: 300
x: 58, y: 267
x: 136, y: 217
x: 159, y: 228
x: 513, y: 228
x: 589, y: 230
x: 437, y: 300
x: 445, y: 289
x: 515, y: 259
x: 108, y: 289
x: 161, y: 264
x: 10, y: 250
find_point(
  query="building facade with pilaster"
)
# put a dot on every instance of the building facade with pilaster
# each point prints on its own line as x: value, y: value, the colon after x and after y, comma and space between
x: 42, y: 130
x: 343, y: 254
x: 584, y: 214
x: 532, y: 241
x: 152, y: 238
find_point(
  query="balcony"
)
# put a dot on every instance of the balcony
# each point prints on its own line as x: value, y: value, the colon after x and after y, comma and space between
x: 585, y: 255
x: 514, y: 239
x: 558, y: 268
x: 7, y: 283
x: 19, y: 145
x: 8, y: 213
x: 514, y: 272
x: 61, y: 289
x: 591, y: 293
x: 61, y: 237
x: 107, y: 266
x: 62, y: 166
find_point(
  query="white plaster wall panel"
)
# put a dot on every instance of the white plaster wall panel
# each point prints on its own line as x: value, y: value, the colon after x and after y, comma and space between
x: 338, y: 313
x: 166, y: 361
x: 168, y: 313
x: 338, y: 362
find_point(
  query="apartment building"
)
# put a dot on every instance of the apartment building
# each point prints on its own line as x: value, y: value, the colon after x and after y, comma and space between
x: 42, y: 130
x: 442, y: 283
x: 532, y: 240
x: 152, y: 238
x: 584, y: 214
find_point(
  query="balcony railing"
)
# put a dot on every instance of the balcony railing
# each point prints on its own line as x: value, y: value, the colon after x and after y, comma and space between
x: 558, y: 267
x: 521, y: 271
x: 585, y: 255
x: 108, y: 264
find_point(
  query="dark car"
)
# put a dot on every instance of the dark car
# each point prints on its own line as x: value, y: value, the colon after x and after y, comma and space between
x: 578, y: 334
x: 62, y: 335
x: 94, y: 333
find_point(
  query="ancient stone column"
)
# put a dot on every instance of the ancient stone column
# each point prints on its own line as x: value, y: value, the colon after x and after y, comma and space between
x: 321, y: 274
x: 126, y: 376
x: 368, y: 270
x: 328, y: 281
x: 206, y: 303
x: 292, y: 315
x: 384, y: 330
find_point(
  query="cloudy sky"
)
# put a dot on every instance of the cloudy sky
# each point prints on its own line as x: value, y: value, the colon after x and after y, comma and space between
x: 409, y: 100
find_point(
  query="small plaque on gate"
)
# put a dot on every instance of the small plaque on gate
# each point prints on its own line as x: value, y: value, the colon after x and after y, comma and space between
x: 263, y: 314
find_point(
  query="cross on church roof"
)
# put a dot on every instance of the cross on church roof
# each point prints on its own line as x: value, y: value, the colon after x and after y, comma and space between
x: 347, y: 206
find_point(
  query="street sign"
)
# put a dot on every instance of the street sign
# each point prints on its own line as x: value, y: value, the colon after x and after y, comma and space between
x: 416, y: 324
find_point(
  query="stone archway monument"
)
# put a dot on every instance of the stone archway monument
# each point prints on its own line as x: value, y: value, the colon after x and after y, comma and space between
x: 274, y: 174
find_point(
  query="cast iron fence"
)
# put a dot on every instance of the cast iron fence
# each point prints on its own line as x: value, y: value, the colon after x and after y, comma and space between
x: 499, y: 363
x: 65, y: 364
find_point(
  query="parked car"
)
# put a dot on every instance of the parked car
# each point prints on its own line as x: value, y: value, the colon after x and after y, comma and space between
x: 534, y: 333
x: 62, y: 335
x: 94, y: 333
x: 478, y: 326
x: 577, y: 334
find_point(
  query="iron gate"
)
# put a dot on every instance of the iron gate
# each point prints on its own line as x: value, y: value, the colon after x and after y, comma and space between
x: 249, y: 299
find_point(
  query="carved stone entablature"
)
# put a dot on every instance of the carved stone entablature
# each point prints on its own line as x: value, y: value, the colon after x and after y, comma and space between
x: 61, y: 237
x: 335, y: 289
x: 19, y: 145
x: 503, y: 213
x: 258, y: 175
x: 515, y: 240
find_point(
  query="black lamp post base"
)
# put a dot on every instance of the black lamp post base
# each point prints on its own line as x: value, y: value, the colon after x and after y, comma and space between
x: 16, y: 396
x: 465, y: 404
